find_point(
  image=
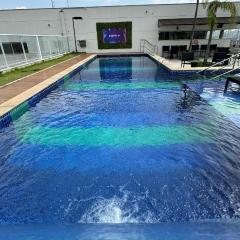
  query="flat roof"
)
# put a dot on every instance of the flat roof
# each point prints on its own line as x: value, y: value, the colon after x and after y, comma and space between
x: 199, y: 21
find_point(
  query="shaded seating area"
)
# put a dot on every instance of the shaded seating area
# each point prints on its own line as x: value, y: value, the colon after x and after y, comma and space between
x: 175, y: 51
x: 195, y: 58
x: 233, y: 79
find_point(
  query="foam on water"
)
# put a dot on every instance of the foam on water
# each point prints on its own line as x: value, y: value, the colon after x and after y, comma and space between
x: 116, y: 210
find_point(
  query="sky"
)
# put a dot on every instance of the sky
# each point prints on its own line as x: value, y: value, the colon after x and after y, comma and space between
x: 13, y: 4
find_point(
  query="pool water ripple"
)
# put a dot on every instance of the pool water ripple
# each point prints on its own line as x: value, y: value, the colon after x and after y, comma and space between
x: 120, y: 142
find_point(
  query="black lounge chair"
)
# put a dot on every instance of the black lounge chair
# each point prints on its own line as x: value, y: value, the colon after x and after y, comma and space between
x: 195, y: 49
x: 187, y: 58
x: 219, y: 57
x: 203, y: 49
x: 213, y: 49
x: 233, y: 79
x: 174, y: 51
x: 183, y: 48
x: 166, y: 51
x: 223, y: 49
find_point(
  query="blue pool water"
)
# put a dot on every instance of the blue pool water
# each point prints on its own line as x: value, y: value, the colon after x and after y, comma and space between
x: 120, y: 142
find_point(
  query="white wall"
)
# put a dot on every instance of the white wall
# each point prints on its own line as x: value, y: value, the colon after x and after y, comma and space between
x: 144, y: 20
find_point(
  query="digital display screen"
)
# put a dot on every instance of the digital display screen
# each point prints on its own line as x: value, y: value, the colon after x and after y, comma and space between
x: 114, y: 35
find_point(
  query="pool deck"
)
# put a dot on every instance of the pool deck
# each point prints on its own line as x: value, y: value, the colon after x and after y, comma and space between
x: 175, y: 65
x: 17, y: 92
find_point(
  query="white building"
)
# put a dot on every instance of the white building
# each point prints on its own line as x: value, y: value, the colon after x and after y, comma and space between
x: 161, y: 25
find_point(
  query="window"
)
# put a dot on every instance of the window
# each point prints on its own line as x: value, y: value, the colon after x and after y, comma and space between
x: 14, y: 47
x: 7, y: 47
x: 25, y: 47
x: 200, y: 34
x: 17, y: 47
x: 180, y: 35
x: 231, y: 34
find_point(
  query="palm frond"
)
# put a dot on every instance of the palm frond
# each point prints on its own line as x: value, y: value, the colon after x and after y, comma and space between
x: 231, y: 8
x: 216, y: 5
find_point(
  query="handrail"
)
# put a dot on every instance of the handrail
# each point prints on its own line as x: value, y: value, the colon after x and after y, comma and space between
x: 219, y: 69
x: 232, y: 70
x: 148, y: 42
x: 218, y: 63
x: 147, y: 48
x: 145, y: 44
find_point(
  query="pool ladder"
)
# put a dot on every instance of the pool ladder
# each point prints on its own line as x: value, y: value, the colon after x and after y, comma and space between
x: 224, y: 70
x: 147, y: 47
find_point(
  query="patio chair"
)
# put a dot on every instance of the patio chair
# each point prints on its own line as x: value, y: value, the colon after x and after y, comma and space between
x: 187, y: 58
x: 213, y: 49
x: 195, y: 49
x: 203, y: 49
x: 174, y: 51
x: 183, y: 48
x: 219, y: 57
x: 166, y: 51
x: 223, y: 49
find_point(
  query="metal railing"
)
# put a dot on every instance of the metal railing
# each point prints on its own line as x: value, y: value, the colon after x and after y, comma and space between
x: 17, y: 50
x: 231, y: 60
x: 147, y: 47
x: 225, y: 73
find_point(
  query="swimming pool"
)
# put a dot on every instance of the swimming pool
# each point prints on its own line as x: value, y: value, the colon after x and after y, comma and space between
x: 120, y: 142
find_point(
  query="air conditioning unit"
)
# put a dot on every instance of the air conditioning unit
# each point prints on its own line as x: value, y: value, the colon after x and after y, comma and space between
x: 82, y: 43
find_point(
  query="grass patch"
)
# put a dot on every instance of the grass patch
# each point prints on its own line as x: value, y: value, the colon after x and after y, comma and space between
x: 25, y: 71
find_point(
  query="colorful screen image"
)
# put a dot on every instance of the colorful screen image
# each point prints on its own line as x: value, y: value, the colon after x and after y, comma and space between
x: 114, y: 35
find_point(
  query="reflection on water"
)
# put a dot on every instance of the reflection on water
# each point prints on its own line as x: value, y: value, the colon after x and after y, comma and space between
x: 110, y: 68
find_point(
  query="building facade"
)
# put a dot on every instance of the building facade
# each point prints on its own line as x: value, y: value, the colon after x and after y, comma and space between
x: 161, y: 25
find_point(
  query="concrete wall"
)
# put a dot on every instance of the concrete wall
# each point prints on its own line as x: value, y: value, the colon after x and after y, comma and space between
x: 144, y: 19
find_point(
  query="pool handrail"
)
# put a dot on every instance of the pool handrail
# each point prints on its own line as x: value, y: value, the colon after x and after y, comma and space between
x: 144, y: 42
x: 218, y: 63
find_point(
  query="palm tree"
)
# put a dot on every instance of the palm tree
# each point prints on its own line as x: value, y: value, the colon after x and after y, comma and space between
x: 205, y: 2
x: 194, y: 26
x: 212, y: 9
